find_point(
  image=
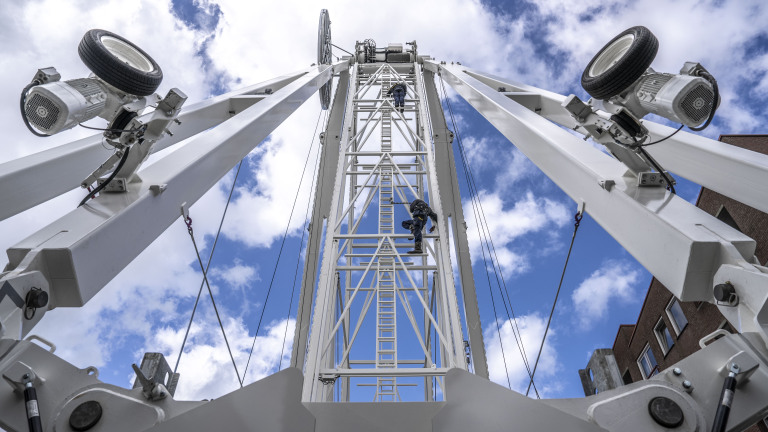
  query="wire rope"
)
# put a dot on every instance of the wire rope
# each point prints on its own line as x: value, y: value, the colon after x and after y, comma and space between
x: 483, y: 223
x: 207, y: 266
x: 577, y: 219
x: 282, y: 245
x: 298, y: 260
x: 474, y: 199
x: 188, y: 221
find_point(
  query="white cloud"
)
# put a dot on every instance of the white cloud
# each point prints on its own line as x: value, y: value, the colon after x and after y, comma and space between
x: 206, y: 367
x: 147, y: 291
x: 237, y: 275
x: 528, y: 215
x: 591, y: 299
x: 144, y: 299
x: 711, y: 32
x: 531, y: 327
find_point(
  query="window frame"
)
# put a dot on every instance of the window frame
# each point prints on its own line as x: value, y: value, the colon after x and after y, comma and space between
x: 671, y: 316
x: 654, y: 367
x: 666, y: 345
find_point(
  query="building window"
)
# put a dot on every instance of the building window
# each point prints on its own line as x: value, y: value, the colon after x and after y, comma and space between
x: 663, y: 336
x: 647, y: 363
x: 627, y: 377
x: 676, y: 316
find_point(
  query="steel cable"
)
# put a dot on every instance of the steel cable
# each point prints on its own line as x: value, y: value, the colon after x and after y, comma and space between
x: 577, y: 219
x: 188, y: 221
x: 282, y: 245
x: 298, y: 261
x: 483, y: 223
x: 207, y: 266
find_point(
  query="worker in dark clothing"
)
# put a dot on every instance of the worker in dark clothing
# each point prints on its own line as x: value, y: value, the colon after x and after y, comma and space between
x: 398, y: 93
x: 420, y: 212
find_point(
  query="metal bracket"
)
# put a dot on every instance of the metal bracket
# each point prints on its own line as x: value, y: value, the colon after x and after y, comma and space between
x: 745, y: 365
x: 150, y: 389
x: 157, y: 189
x: 647, y: 179
x: 15, y: 376
x: 118, y: 184
x: 327, y: 378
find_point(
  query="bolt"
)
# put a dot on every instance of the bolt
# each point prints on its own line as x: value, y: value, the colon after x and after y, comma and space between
x: 687, y: 384
x: 677, y: 371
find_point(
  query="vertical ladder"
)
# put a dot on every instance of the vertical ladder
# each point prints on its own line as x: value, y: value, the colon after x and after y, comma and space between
x: 386, y: 307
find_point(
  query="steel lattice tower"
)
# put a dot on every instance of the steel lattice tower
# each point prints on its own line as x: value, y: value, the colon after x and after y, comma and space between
x: 383, y: 318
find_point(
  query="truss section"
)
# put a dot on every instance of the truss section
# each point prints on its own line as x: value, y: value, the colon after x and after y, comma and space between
x: 386, y: 325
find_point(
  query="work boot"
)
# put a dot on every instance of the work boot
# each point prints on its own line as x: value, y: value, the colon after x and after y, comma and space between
x: 416, y: 249
x: 411, y: 236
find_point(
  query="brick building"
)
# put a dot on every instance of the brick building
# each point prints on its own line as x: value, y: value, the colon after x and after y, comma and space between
x: 668, y: 330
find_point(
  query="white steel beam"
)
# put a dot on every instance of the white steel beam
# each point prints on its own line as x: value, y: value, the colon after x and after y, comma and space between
x: 677, y: 242
x: 34, y: 179
x: 451, y: 200
x: 329, y: 159
x: 82, y: 251
x: 387, y: 165
x: 732, y: 171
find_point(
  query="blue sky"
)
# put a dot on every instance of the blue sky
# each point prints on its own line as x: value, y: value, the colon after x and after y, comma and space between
x: 207, y: 47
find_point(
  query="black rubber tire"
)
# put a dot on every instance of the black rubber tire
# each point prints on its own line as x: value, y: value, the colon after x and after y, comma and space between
x: 625, y: 122
x: 631, y: 66
x: 120, y: 123
x: 116, y: 72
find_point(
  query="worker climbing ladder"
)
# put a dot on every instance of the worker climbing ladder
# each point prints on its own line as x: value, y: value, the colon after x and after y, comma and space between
x: 62, y: 265
x: 370, y: 259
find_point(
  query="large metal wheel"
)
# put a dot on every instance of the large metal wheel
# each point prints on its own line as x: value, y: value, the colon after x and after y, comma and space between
x: 620, y: 63
x: 324, y: 55
x: 119, y: 62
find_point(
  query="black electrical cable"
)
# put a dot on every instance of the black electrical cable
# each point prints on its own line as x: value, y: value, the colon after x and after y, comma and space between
x: 107, y: 129
x: 280, y: 253
x: 484, y: 223
x: 22, y: 102
x: 715, y: 101
x: 661, y: 140
x: 109, y: 179
x: 659, y: 169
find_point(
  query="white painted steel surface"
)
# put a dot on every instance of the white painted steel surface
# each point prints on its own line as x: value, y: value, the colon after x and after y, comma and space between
x: 732, y: 171
x: 697, y: 250
x: 34, y: 179
x: 78, y: 253
x: 385, y: 156
x: 677, y: 242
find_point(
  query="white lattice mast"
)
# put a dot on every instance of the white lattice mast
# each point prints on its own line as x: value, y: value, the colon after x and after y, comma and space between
x: 382, y: 318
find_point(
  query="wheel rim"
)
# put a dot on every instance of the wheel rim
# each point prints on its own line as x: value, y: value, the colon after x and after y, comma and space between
x: 611, y: 55
x: 324, y: 55
x: 127, y: 53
